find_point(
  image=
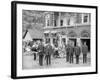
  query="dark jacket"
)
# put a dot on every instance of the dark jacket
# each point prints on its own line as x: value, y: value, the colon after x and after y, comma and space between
x: 67, y: 47
x: 71, y: 50
x: 77, y: 50
x: 84, y: 49
x: 48, y: 50
x: 41, y: 49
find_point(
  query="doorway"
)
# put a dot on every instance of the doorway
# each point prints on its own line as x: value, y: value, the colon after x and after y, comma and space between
x: 74, y: 40
x: 87, y: 43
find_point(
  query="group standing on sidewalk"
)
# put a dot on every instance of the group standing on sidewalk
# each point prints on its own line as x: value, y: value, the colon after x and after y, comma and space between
x: 76, y: 50
x: 46, y: 51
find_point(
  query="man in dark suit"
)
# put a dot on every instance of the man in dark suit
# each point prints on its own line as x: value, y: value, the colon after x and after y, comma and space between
x: 34, y: 50
x: 71, y: 52
x: 41, y: 53
x: 77, y: 53
x: 84, y: 51
x: 48, y: 52
x: 67, y: 48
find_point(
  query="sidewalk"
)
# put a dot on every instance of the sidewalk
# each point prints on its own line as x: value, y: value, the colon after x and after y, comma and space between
x: 29, y: 63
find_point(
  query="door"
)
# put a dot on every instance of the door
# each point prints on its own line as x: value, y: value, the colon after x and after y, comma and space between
x: 87, y: 43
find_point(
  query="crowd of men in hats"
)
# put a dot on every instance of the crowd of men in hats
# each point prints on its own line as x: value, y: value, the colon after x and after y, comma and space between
x: 72, y: 50
x: 45, y: 52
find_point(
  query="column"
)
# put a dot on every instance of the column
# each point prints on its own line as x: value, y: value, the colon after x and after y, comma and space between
x: 51, y: 41
x: 82, y: 15
x: 67, y: 40
x: 53, y: 18
x: 88, y: 18
x: 44, y: 40
x: 45, y: 22
x: 67, y: 37
x: 79, y: 41
x: 59, y: 18
x: 59, y: 43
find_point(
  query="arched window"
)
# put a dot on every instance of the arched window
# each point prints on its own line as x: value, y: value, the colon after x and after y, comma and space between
x: 85, y: 33
x: 72, y: 34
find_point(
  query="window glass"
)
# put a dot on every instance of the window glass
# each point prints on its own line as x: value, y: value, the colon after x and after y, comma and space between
x: 85, y: 18
x: 61, y: 22
x: 47, y: 22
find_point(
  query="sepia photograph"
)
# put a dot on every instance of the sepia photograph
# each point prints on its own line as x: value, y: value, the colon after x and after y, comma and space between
x: 53, y: 39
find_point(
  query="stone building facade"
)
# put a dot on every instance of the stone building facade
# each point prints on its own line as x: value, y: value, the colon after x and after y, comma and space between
x: 63, y: 26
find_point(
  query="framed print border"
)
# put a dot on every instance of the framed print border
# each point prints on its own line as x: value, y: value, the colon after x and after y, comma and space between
x: 14, y: 38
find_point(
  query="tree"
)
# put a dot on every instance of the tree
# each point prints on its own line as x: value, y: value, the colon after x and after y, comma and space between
x: 32, y: 18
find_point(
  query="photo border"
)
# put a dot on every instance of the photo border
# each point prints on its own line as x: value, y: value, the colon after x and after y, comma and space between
x: 14, y: 38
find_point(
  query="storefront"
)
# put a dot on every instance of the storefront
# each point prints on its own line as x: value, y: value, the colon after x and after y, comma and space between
x: 85, y: 37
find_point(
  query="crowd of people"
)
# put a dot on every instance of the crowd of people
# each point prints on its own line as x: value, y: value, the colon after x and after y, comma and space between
x: 45, y: 52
